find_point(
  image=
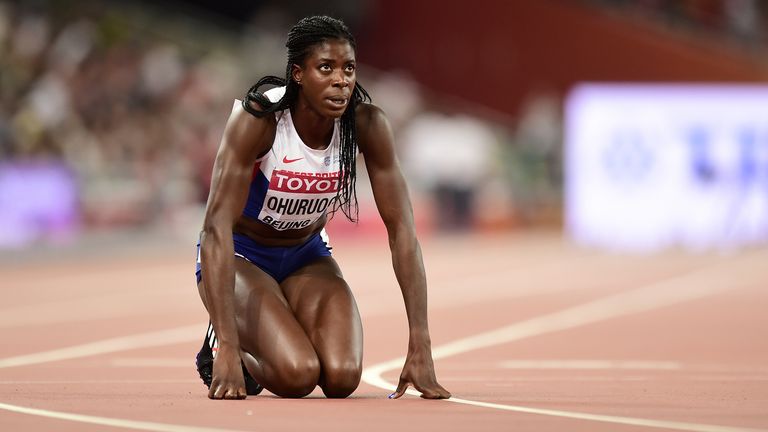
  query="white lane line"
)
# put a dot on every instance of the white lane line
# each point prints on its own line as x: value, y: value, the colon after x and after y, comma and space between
x: 516, y: 382
x: 152, y: 362
x: 113, y: 422
x: 663, y: 424
x: 143, y: 340
x: 512, y: 382
x: 590, y: 364
x: 110, y: 382
x: 691, y: 286
x: 495, y: 381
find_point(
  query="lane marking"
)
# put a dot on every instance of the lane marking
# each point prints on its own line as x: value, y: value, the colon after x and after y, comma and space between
x: 125, y: 343
x: 663, y: 424
x: 590, y: 364
x: 124, y: 382
x: 631, y: 364
x: 691, y: 286
x: 106, y: 421
x: 152, y: 362
x: 516, y: 381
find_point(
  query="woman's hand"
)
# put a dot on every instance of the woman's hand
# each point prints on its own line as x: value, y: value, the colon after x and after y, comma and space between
x: 419, y: 371
x: 228, y: 381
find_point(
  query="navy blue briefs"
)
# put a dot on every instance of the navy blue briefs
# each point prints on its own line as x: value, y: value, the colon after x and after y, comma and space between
x: 278, y: 262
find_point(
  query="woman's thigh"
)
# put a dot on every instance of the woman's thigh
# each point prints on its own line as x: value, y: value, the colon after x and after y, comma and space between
x: 275, y: 348
x: 324, y: 306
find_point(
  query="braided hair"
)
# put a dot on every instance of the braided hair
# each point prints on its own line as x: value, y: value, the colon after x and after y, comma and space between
x: 302, y: 38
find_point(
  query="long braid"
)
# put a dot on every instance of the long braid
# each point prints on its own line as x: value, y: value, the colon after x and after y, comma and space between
x: 302, y: 38
x: 346, y: 198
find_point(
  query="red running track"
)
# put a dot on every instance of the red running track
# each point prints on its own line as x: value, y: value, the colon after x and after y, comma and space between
x: 529, y: 333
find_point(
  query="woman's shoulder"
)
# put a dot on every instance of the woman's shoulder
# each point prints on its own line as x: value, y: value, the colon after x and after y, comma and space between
x: 251, y: 114
x: 374, y: 132
x: 369, y: 117
x: 246, y: 130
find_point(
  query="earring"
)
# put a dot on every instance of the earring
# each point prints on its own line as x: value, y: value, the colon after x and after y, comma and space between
x: 298, y: 82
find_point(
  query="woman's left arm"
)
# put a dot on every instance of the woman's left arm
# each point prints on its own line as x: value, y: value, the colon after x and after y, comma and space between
x: 391, y: 194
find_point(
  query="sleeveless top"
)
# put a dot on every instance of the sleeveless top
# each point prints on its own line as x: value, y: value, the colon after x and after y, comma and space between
x: 293, y: 184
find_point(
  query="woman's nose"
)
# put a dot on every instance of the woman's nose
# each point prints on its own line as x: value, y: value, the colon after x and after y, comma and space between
x: 341, y: 80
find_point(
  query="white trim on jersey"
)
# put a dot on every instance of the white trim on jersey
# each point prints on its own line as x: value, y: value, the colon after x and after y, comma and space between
x: 326, y: 239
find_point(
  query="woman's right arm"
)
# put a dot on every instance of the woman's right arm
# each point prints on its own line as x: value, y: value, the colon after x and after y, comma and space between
x: 245, y: 138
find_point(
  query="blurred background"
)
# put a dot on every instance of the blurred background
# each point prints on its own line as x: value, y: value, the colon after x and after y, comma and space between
x: 630, y: 125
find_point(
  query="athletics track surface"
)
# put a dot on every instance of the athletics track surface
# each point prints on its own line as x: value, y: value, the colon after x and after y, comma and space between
x: 529, y: 334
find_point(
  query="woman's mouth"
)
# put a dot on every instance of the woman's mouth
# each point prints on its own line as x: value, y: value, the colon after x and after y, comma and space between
x: 338, y: 101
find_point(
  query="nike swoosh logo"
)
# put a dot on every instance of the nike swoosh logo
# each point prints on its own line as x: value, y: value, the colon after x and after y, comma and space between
x: 286, y: 160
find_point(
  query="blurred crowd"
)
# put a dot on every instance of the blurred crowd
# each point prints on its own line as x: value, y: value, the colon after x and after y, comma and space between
x: 132, y: 114
x: 133, y: 106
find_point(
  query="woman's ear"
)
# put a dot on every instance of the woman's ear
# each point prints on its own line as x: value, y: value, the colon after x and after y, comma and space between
x: 297, y: 73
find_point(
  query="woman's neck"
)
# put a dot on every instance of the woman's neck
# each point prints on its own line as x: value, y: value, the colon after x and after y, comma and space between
x: 315, y: 130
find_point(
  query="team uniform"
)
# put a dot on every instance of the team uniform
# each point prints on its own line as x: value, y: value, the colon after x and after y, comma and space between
x: 291, y: 188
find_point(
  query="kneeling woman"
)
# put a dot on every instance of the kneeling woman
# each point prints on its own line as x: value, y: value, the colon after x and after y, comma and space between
x: 282, y: 316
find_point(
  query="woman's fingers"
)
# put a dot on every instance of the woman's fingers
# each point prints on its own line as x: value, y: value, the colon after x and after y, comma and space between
x: 431, y: 391
x: 402, y: 386
x: 226, y: 392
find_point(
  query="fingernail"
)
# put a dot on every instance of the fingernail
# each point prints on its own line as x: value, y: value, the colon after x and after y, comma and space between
x: 391, y: 396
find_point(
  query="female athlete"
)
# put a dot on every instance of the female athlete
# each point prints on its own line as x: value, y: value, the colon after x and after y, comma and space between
x: 282, y: 316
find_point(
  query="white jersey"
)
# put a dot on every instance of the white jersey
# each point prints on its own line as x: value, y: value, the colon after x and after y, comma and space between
x: 293, y: 184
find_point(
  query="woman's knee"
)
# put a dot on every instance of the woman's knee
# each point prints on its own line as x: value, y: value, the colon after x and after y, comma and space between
x: 340, y: 380
x: 297, y: 378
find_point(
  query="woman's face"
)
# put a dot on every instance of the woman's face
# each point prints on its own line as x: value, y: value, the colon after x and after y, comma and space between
x: 327, y: 77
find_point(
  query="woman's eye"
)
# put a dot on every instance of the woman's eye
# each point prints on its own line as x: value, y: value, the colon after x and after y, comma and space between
x: 350, y: 68
x: 325, y: 68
